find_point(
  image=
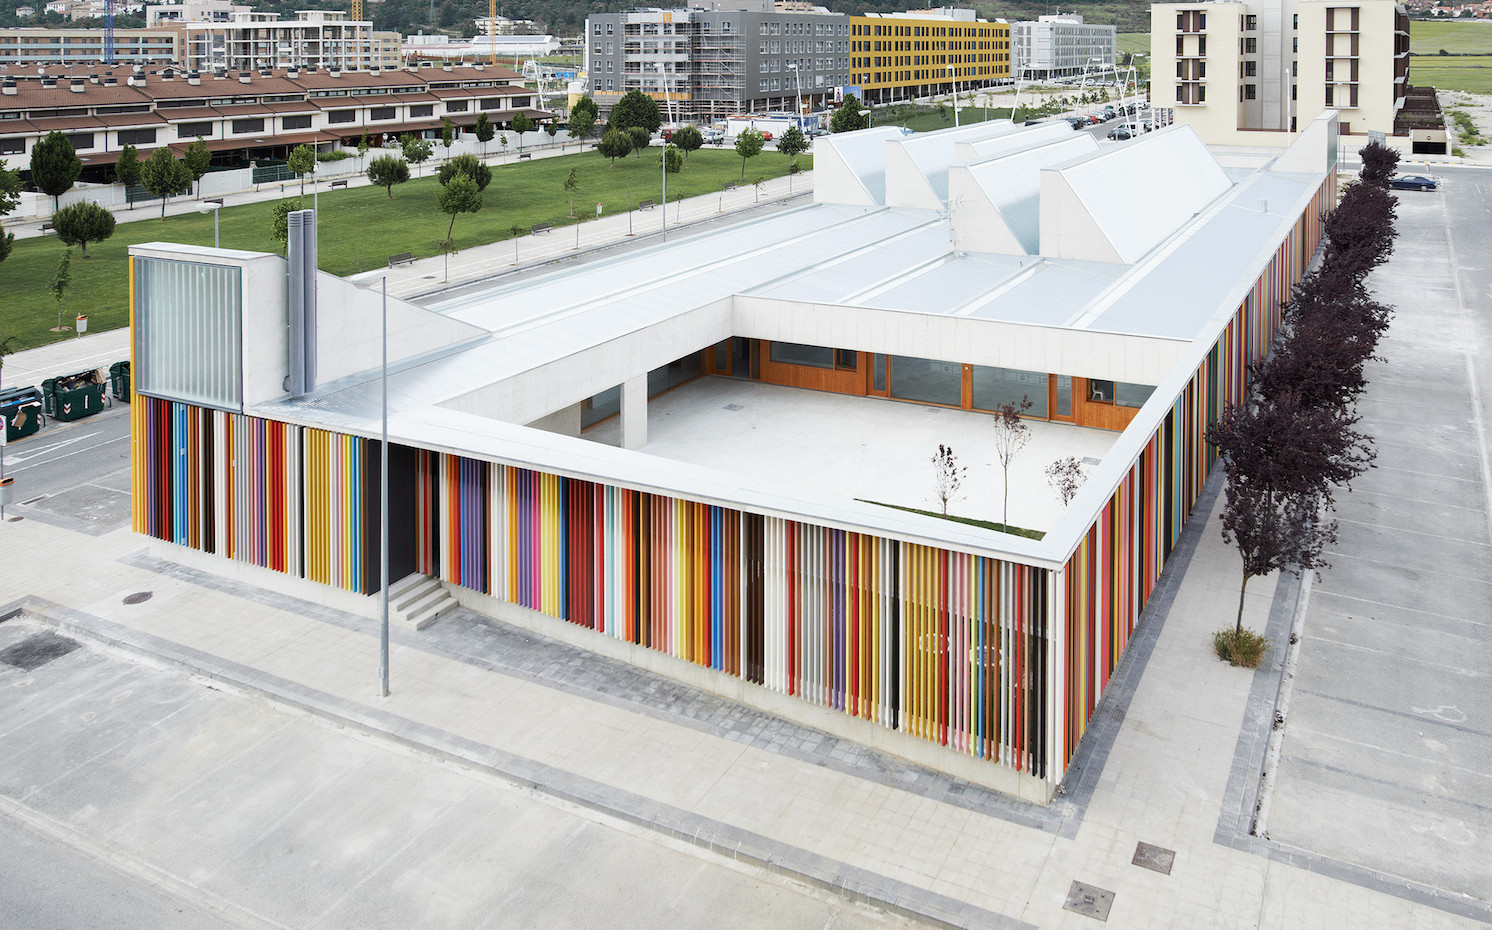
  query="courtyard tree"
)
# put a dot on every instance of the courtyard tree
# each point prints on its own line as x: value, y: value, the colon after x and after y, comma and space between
x: 460, y: 195
x: 614, y: 145
x: 521, y: 125
x: 635, y: 109
x: 792, y: 144
x: 302, y: 161
x: 948, y: 476
x: 363, y: 145
x: 749, y: 144
x: 469, y: 165
x: 416, y: 151
x: 848, y: 117
x: 163, y: 175
x: 55, y: 166
x: 484, y: 131
x: 81, y: 223
x: 388, y: 170
x: 1065, y: 476
x: 688, y: 139
x: 197, y: 158
x: 1011, y: 435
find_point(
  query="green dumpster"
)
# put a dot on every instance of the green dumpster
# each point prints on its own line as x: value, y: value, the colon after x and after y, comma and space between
x: 21, y: 409
x: 119, y: 380
x: 73, y: 397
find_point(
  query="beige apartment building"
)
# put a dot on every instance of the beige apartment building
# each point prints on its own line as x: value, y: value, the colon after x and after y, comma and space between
x: 1234, y: 70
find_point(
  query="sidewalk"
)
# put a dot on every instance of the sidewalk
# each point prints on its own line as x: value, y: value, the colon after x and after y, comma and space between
x: 1166, y: 763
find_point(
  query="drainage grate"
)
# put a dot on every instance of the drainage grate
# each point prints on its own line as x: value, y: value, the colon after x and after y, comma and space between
x: 734, y: 407
x: 1089, y: 901
x: 35, y: 651
x: 1090, y: 460
x: 39, y: 497
x: 139, y: 597
x: 1154, y: 858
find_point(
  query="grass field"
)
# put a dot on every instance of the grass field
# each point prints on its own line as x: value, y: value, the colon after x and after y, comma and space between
x: 1130, y: 42
x: 360, y: 228
x: 1473, y: 75
x: 1428, y: 37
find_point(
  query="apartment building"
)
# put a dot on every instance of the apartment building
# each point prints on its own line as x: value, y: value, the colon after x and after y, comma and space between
x: 707, y: 64
x: 193, y: 11
x: 923, y: 52
x: 312, y: 38
x: 1235, y: 69
x: 47, y: 45
x: 246, y: 115
x: 1060, y: 45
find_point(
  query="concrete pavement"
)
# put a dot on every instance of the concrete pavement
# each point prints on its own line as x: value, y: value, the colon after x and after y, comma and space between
x: 1173, y: 758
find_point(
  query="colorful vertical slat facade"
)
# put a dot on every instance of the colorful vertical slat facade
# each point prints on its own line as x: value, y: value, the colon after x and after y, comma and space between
x: 294, y: 499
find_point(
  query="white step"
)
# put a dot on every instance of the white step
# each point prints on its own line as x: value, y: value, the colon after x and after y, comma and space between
x: 418, y: 600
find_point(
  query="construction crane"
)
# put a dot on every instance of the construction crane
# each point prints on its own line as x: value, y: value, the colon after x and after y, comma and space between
x: 492, y: 30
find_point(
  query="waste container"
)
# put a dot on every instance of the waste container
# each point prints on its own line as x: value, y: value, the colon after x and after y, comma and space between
x: 73, y: 397
x: 119, y: 380
x: 22, y: 409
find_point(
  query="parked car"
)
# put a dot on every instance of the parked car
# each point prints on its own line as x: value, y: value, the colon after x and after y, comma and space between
x: 713, y: 136
x: 1120, y: 133
x: 1413, y: 182
x: 1076, y: 122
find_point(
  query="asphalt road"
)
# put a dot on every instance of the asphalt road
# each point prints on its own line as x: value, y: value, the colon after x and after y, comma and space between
x: 136, y: 796
x: 74, y: 474
x: 1386, y: 760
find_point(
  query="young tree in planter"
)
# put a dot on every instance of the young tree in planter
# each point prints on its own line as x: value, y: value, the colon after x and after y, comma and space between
x: 614, y: 145
x: 948, y: 476
x: 748, y: 145
x: 460, y: 195
x: 198, y: 158
x: 639, y: 137
x: 302, y: 161
x: 688, y: 139
x: 54, y: 166
x: 1065, y: 476
x: 163, y: 175
x: 388, y: 170
x: 572, y: 184
x: 469, y: 165
x: 416, y: 150
x: 61, y: 281
x: 521, y: 125
x: 792, y: 144
x: 1011, y: 436
x: 484, y: 131
x: 127, y: 169
x: 81, y: 223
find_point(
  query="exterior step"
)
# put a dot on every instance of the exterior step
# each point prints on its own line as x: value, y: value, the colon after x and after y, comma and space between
x: 418, y: 600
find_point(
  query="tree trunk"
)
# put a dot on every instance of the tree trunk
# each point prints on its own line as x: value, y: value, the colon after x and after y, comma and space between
x: 85, y: 248
x: 1238, y: 625
x: 1005, y: 508
x: 163, y: 208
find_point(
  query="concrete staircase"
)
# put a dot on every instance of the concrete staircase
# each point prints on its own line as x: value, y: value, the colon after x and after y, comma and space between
x: 417, y: 600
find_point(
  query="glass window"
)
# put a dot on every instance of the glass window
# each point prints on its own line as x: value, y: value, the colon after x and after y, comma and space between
x: 878, y: 373
x: 602, y: 406
x: 847, y: 359
x: 1064, y: 396
x: 296, y: 122
x: 1131, y: 395
x: 926, y: 380
x: 1100, y: 392
x: 674, y: 374
x: 790, y: 353
x: 995, y: 387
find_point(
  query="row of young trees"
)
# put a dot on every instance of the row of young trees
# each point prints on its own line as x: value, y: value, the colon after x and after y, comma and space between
x: 1294, y: 443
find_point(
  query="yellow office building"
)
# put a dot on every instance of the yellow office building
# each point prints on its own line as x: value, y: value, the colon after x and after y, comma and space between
x: 921, y: 52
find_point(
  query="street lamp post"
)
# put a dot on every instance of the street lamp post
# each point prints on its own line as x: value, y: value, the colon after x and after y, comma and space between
x: 211, y: 206
x: 797, y: 98
x: 663, y: 79
x: 953, y: 79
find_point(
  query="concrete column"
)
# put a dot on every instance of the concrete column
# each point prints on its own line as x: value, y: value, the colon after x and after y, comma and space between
x: 635, y: 412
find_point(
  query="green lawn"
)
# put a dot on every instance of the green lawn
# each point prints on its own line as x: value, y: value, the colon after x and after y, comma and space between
x: 360, y: 228
x: 1130, y: 42
x: 1473, y: 75
x: 1428, y: 37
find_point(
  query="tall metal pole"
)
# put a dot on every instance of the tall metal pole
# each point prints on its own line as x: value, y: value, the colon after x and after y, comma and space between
x: 662, y: 77
x: 215, y: 229
x: 953, y: 80
x: 383, y: 511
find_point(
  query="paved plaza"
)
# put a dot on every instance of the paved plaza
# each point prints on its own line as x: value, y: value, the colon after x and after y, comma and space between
x: 217, y: 754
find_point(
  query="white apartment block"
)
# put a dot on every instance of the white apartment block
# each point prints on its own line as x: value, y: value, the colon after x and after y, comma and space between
x: 1233, y: 70
x: 1059, y: 45
x: 193, y: 11
x: 313, y: 38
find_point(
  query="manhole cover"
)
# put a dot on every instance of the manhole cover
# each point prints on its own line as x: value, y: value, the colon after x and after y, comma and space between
x: 1089, y: 901
x: 1154, y: 858
x: 139, y: 597
x: 36, y: 651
